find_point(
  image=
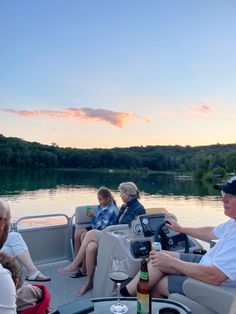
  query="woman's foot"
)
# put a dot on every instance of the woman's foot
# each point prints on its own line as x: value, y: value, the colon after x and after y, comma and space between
x: 68, y: 270
x: 37, y: 276
x: 78, y: 274
x: 85, y: 288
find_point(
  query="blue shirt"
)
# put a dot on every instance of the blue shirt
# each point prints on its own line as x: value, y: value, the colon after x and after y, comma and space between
x: 104, y: 216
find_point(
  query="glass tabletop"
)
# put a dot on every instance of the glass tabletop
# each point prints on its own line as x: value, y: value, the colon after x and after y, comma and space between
x: 162, y: 306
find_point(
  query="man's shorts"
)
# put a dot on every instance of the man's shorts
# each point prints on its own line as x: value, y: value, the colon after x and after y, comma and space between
x: 175, y: 282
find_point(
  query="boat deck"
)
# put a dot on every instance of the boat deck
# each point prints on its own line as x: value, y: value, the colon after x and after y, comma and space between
x: 63, y: 289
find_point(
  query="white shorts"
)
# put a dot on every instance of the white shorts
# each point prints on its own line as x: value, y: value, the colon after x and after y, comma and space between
x: 14, y: 245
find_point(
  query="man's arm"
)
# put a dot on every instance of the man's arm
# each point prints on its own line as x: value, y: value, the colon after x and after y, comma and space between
x: 207, y: 273
x: 202, y: 233
x: 171, y: 265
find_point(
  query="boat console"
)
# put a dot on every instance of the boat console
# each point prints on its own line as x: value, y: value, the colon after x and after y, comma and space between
x: 134, y: 241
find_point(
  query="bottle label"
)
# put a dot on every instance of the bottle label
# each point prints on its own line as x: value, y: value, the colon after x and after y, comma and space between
x: 143, y: 303
x: 144, y: 275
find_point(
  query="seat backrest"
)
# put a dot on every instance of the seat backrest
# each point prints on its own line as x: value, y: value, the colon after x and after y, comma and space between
x: 42, y: 306
x: 80, y: 213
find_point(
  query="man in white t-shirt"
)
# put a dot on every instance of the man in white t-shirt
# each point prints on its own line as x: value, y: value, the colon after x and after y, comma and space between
x: 168, y: 270
x: 7, y: 287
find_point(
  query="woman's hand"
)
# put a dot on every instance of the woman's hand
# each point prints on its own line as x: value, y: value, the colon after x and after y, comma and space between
x: 89, y: 213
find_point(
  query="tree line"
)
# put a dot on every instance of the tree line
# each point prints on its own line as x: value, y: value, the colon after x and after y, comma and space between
x: 202, y: 161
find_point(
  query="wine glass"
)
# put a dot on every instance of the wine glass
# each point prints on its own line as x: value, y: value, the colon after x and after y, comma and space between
x: 118, y: 272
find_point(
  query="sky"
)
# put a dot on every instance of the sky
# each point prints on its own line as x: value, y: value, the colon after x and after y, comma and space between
x: 118, y: 73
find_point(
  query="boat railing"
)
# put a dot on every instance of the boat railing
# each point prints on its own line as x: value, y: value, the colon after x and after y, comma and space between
x: 48, y: 239
x: 71, y: 237
x: 14, y: 225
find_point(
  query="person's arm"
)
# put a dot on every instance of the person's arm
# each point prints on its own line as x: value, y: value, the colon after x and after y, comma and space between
x: 207, y: 273
x: 120, y: 213
x: 135, y: 210
x: 171, y: 265
x: 7, y: 295
x: 201, y: 233
x: 106, y: 218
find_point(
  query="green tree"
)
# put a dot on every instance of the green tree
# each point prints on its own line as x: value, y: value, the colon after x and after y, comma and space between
x: 230, y: 162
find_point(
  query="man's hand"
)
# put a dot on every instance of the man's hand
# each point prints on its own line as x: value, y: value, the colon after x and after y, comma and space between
x: 173, y: 224
x: 162, y: 261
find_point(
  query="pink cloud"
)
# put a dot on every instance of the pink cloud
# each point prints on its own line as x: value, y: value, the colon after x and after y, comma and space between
x: 117, y: 119
x: 188, y: 113
x: 204, y: 110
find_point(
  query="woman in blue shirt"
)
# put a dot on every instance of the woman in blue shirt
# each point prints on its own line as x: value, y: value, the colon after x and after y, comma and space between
x: 105, y: 215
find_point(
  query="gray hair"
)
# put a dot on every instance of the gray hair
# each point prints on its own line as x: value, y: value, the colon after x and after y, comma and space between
x: 129, y: 188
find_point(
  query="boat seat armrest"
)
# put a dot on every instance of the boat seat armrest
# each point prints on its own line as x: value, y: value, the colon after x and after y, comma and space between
x: 115, y: 227
x: 217, y: 298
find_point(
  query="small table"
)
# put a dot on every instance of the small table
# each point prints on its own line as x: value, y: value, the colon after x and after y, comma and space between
x: 102, y: 305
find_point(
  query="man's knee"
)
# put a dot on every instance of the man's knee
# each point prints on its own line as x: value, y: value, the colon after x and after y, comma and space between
x: 160, y: 289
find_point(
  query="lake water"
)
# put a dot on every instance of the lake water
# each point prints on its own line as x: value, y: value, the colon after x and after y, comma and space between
x: 45, y: 192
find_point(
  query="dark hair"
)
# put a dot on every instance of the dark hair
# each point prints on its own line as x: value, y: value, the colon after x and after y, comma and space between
x: 106, y: 193
x: 11, y: 264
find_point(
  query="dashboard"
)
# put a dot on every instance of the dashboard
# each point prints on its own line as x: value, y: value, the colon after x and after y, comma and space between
x: 147, y: 226
x: 150, y: 223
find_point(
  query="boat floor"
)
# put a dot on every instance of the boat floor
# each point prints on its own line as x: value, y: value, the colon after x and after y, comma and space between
x: 63, y: 289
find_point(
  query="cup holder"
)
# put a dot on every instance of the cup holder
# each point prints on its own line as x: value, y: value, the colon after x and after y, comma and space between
x: 118, y: 233
x: 168, y: 310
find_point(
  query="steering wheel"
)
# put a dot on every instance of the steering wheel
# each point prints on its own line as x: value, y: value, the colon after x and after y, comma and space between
x: 166, y: 242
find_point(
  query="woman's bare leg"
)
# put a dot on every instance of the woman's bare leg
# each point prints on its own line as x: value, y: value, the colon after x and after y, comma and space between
x: 16, y: 246
x: 78, y: 239
x: 83, y: 266
x: 70, y: 269
x: 91, y: 257
x: 25, y: 259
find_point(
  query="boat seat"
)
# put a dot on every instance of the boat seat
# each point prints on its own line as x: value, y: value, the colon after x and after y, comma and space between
x: 204, y: 298
x: 81, y: 222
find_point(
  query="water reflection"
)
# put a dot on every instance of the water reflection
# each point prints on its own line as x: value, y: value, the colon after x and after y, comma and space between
x: 53, y: 192
x: 17, y: 181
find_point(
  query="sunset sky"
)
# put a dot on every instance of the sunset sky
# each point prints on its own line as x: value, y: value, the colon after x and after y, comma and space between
x: 118, y: 73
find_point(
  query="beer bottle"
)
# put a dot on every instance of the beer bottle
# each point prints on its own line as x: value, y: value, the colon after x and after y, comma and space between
x: 144, y: 305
